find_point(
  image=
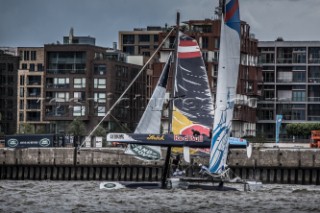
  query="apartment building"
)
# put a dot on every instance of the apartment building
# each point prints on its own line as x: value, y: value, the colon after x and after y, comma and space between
x: 8, y: 92
x: 291, y: 84
x: 30, y: 90
x: 82, y: 82
x: 140, y: 41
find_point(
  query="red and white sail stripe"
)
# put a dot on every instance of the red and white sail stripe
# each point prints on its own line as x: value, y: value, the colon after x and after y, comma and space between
x: 188, y: 49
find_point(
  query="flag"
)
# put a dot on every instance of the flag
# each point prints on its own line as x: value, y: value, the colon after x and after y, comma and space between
x: 278, y: 124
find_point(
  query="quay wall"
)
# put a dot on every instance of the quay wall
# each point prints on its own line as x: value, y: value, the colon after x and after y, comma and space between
x: 269, y: 165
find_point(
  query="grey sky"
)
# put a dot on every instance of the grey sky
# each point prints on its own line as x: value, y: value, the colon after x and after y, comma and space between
x: 37, y: 22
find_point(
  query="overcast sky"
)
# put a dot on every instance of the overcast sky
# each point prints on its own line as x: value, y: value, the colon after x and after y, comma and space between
x: 36, y: 22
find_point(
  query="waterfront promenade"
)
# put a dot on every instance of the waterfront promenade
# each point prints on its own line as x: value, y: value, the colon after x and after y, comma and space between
x: 270, y: 165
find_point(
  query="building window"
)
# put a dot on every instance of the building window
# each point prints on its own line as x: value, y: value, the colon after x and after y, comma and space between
x: 31, y: 67
x: 144, y: 38
x: 100, y: 97
x: 267, y: 58
x: 21, y: 92
x: 267, y: 114
x: 314, y: 55
x: 79, y: 83
x: 21, y: 80
x: 62, y: 96
x: 128, y: 39
x: 10, y: 79
x: 79, y: 110
x: 299, y: 77
x: 10, y: 92
x: 101, y: 111
x: 249, y: 87
x: 10, y: 67
x: 26, y: 55
x: 205, y: 42
x: 268, y: 94
x: 100, y: 83
x: 24, y: 66
x: 33, y: 55
x: 100, y: 69
x: 314, y: 74
x: 155, y: 38
x: 298, y: 114
x: 21, y: 116
x: 61, y: 82
x: 268, y: 76
x: 79, y: 96
x: 128, y: 49
x: 39, y: 67
x: 298, y: 95
x: 2, y: 67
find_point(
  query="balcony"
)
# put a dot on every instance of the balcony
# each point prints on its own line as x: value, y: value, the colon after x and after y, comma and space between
x: 66, y: 71
x: 33, y: 106
x: 58, y: 86
x: 313, y: 99
x: 33, y: 95
x: 313, y: 118
x: 314, y: 80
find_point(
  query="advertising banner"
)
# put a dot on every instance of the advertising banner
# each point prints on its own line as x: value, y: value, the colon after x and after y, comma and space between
x: 25, y: 141
x: 278, y: 124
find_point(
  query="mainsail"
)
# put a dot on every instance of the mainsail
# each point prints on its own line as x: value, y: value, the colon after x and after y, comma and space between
x: 150, y: 122
x: 192, y: 103
x: 229, y: 58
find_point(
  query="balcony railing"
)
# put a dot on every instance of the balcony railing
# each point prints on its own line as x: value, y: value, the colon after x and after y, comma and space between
x: 314, y: 80
x: 33, y: 119
x: 33, y: 106
x: 58, y: 86
x: 313, y: 118
x: 314, y: 99
x: 66, y: 71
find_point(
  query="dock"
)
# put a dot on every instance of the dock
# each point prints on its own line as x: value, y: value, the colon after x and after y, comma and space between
x: 296, y: 165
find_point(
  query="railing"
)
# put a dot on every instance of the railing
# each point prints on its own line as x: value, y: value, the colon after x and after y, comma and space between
x: 33, y: 106
x: 314, y: 60
x: 34, y: 82
x: 35, y: 95
x: 314, y: 99
x: 66, y: 71
x: 33, y: 119
x: 58, y: 86
x: 313, y: 118
x: 314, y: 80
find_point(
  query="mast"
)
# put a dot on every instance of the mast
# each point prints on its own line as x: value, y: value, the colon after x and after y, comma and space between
x: 168, y: 155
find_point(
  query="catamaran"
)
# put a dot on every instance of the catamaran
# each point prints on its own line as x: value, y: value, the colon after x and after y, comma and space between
x: 194, y: 122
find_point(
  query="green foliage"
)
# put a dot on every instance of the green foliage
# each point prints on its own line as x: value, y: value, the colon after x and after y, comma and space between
x: 40, y: 130
x: 76, y: 128
x: 27, y: 128
x: 100, y: 132
x: 301, y: 129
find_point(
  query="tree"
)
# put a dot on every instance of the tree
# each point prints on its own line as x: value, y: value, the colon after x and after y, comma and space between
x: 100, y: 132
x: 301, y: 129
x: 27, y: 128
x: 77, y: 129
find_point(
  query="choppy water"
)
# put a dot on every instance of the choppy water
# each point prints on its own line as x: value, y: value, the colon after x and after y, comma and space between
x: 76, y: 196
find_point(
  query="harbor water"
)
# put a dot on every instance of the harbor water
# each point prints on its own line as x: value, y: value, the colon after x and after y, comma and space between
x: 86, y: 196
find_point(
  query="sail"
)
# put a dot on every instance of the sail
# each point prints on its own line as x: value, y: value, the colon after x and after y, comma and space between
x: 229, y: 59
x: 192, y: 103
x: 150, y: 122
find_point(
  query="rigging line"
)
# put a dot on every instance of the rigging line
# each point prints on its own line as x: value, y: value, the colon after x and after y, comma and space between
x: 121, y: 126
x: 129, y: 86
